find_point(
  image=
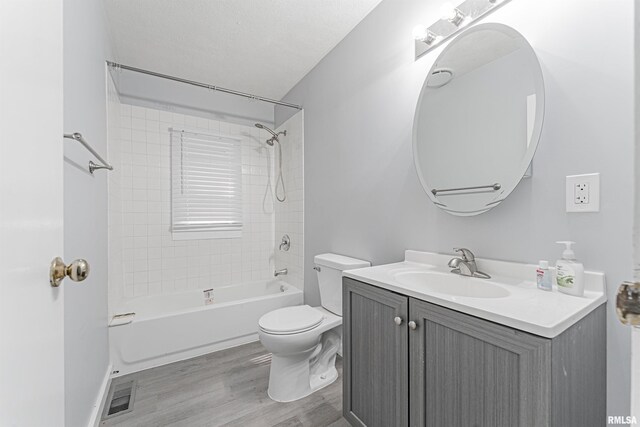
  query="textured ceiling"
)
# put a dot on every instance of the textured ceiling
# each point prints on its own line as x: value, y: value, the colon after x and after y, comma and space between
x: 257, y: 46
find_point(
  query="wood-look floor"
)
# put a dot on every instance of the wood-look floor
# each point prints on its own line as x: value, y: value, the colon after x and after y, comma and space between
x: 226, y: 388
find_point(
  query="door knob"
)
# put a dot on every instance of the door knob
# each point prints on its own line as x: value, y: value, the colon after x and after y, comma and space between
x: 412, y: 325
x: 398, y: 320
x: 77, y: 271
x: 628, y: 303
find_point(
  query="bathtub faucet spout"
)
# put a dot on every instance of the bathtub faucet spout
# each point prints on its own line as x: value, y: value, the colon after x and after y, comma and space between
x: 280, y: 272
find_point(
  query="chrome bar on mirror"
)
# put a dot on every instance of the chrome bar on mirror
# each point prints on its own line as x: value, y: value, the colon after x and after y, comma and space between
x: 76, y: 136
x: 494, y: 187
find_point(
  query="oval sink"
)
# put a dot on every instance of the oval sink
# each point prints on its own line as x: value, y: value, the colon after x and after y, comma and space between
x: 451, y: 284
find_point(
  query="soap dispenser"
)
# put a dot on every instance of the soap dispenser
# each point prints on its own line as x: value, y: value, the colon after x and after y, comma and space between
x: 569, y: 272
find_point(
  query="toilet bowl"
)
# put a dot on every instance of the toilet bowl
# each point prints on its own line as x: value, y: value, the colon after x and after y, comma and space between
x: 303, y: 356
x: 305, y: 340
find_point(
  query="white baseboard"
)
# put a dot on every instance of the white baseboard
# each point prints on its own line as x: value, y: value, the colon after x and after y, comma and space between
x: 98, y: 406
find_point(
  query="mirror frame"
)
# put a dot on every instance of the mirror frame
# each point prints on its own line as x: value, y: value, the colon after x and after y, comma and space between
x: 507, y: 187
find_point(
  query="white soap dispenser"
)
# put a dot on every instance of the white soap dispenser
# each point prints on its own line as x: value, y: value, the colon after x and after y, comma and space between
x: 569, y: 272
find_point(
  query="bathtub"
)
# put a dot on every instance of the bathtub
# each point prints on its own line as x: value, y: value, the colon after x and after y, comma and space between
x: 173, y: 327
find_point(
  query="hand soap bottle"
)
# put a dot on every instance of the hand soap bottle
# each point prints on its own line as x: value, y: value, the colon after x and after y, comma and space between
x: 569, y: 272
x: 544, y: 276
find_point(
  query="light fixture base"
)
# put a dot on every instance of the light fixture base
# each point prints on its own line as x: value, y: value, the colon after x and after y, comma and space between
x: 467, y: 12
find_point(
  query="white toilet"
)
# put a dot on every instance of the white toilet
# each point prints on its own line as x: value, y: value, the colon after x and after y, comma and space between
x: 304, y: 340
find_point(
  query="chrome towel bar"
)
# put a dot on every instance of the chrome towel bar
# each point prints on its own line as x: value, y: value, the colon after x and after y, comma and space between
x: 92, y: 166
x: 494, y: 187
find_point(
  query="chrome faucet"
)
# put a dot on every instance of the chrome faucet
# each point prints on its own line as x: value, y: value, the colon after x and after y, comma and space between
x: 280, y: 272
x: 465, y: 265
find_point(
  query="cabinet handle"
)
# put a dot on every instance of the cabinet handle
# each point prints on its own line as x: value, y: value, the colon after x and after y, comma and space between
x: 398, y: 320
x: 412, y: 325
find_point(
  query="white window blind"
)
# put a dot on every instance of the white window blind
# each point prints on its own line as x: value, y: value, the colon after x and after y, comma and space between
x: 206, y: 185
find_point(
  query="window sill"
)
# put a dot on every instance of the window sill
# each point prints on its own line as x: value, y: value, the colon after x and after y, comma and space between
x: 202, y: 235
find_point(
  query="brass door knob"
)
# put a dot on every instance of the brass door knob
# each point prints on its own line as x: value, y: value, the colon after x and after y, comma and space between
x: 77, y: 271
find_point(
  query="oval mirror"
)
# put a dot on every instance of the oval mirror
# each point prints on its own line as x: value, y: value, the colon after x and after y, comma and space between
x: 478, y: 119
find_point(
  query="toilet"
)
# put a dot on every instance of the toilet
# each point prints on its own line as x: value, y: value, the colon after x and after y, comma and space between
x: 304, y: 340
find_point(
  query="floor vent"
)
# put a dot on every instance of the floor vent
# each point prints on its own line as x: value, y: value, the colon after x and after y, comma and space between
x: 120, y: 399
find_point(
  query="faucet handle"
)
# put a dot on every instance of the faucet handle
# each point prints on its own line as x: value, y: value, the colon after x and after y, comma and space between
x: 467, y: 255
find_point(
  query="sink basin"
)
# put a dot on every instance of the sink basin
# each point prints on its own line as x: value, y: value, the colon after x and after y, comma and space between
x: 451, y: 284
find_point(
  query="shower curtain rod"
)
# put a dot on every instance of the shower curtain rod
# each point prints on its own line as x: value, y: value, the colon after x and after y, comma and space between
x: 204, y: 85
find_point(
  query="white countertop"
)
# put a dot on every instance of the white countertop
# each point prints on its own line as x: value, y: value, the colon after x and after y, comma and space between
x: 526, y: 308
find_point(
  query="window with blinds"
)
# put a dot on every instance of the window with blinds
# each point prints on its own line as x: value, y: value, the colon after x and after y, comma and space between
x: 206, y: 185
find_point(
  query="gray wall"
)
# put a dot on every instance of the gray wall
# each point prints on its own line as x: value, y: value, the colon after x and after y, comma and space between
x: 636, y: 239
x: 86, y: 47
x: 362, y: 194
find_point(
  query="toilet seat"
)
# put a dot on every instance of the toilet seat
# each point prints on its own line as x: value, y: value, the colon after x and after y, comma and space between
x: 291, y: 320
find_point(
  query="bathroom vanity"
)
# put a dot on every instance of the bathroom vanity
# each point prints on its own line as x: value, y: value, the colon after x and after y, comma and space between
x: 426, y: 347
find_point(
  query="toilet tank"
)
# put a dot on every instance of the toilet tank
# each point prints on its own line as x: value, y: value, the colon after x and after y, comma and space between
x: 329, y: 268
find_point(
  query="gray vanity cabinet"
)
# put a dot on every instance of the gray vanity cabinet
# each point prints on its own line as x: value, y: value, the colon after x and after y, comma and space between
x: 443, y: 368
x: 377, y: 349
x: 465, y: 371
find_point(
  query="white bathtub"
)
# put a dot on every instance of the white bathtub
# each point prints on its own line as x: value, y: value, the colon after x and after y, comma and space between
x: 169, y: 328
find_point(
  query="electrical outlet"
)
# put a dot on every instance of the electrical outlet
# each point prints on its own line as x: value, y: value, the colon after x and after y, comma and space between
x: 583, y: 193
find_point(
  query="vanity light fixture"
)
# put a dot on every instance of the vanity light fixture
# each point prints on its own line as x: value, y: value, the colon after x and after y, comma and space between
x: 453, y: 19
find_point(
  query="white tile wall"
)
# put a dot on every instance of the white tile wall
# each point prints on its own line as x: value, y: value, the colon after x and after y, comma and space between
x: 290, y: 214
x: 139, y: 217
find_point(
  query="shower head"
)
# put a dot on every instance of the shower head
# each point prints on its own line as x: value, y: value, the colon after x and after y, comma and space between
x: 270, y: 141
x: 261, y: 126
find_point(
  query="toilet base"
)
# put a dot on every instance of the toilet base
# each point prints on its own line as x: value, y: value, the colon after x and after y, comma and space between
x: 321, y: 381
x: 317, y: 383
x: 295, y: 376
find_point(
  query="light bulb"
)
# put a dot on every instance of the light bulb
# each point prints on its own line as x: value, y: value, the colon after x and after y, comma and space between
x: 422, y: 34
x: 419, y: 32
x: 447, y: 11
x: 452, y: 14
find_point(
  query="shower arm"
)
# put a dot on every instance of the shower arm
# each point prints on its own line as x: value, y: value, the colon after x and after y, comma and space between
x: 275, y: 135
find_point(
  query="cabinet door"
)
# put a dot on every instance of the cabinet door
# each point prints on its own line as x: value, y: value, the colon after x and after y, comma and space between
x: 375, y: 356
x: 466, y: 371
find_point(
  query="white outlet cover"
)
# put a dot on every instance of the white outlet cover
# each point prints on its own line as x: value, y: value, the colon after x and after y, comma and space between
x: 593, y: 183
